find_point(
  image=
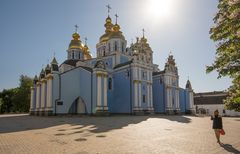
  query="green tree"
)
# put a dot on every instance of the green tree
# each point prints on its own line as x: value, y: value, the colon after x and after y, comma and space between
x: 17, y: 99
x: 21, y: 99
x: 226, y: 34
x: 6, y: 102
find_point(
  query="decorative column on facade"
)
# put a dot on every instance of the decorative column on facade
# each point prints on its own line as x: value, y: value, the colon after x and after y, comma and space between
x: 148, y: 96
x: 99, y: 91
x: 139, y: 90
x: 191, y: 99
x: 135, y: 88
x: 101, y: 75
x: 33, y: 100
x: 105, y: 107
x: 139, y: 95
x: 169, y: 100
x: 49, y: 103
x: 135, y: 82
x: 177, y: 108
x: 43, y: 94
x: 101, y: 83
x: 38, y: 97
x: 190, y: 106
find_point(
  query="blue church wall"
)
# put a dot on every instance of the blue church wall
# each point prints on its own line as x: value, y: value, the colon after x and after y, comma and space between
x: 173, y: 98
x: 158, y: 95
x: 121, y: 93
x: 78, y: 85
x: 108, y: 62
x: 123, y: 59
x: 85, y: 88
x: 182, y: 100
x: 94, y: 93
x: 110, y: 97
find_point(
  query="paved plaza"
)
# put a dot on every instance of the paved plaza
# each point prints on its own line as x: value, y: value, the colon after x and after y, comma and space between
x: 115, y: 134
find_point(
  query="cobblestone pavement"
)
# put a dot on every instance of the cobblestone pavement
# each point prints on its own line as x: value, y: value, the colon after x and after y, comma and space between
x: 115, y: 134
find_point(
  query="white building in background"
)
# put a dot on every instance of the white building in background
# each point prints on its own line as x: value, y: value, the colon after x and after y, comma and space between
x: 208, y: 102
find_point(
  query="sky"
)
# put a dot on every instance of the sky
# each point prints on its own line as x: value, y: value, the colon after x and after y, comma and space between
x: 31, y: 31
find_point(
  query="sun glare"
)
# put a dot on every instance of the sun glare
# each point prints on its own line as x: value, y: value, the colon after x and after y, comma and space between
x: 160, y: 8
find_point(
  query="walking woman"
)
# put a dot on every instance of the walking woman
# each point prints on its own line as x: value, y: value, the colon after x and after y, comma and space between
x: 217, y: 124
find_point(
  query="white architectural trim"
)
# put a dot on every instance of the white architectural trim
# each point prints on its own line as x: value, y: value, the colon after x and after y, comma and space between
x: 43, y: 95
x: 140, y: 94
x: 99, y: 91
x: 38, y: 96
x: 151, y: 98
x: 105, y: 91
x: 135, y: 94
x: 32, y: 98
x: 148, y: 96
x: 49, y: 93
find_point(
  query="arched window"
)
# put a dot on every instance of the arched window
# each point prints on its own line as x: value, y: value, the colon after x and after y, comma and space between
x: 104, y: 51
x: 110, y: 84
x: 72, y: 55
x: 122, y: 47
x: 109, y: 47
x: 144, y: 98
x: 115, y: 46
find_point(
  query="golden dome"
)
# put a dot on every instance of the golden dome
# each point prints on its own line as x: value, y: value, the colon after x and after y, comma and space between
x: 105, y: 37
x: 76, y: 36
x: 116, y: 33
x: 75, y: 42
x: 116, y: 28
x: 108, y: 20
x: 108, y: 25
x: 144, y: 40
x: 85, y: 49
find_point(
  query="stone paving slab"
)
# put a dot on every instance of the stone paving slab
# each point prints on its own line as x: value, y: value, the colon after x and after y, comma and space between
x: 22, y: 134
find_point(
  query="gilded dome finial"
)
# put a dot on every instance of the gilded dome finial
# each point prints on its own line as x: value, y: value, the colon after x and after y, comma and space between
x: 85, y: 44
x: 108, y: 7
x: 143, y: 30
x: 143, y: 39
x: 116, y: 27
x: 116, y: 17
x: 75, y: 35
x: 85, y: 40
x: 76, y: 28
x: 75, y: 42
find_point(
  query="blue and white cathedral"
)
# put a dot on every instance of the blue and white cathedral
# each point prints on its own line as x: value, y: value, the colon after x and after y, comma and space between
x: 120, y: 80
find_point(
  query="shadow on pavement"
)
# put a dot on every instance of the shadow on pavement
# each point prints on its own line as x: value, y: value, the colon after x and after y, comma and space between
x: 229, y: 148
x: 18, y: 123
x: 182, y: 119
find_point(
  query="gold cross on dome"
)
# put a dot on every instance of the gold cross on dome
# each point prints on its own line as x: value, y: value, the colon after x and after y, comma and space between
x: 76, y: 27
x: 108, y: 7
x: 116, y: 17
x: 143, y: 30
x: 85, y: 39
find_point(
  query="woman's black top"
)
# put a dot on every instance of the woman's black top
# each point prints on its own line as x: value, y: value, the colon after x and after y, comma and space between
x: 217, y: 122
